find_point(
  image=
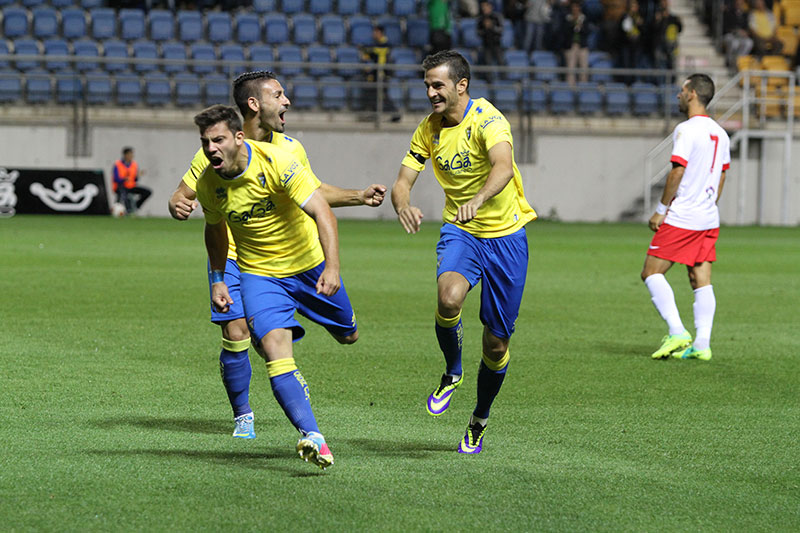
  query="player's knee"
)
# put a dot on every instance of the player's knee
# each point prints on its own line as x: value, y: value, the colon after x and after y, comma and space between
x: 235, y: 330
x: 349, y: 339
x: 450, y: 300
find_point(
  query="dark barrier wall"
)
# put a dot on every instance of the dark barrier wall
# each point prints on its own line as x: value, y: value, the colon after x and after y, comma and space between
x: 53, y: 192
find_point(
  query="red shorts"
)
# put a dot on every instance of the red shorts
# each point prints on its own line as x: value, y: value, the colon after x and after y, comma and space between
x: 685, y: 246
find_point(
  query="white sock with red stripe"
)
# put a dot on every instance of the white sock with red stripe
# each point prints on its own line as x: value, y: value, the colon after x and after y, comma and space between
x: 704, y: 306
x: 664, y: 300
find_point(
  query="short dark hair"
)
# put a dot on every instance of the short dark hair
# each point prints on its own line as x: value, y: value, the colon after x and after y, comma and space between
x: 703, y: 86
x: 456, y: 64
x: 216, y: 114
x: 247, y: 85
x: 126, y: 150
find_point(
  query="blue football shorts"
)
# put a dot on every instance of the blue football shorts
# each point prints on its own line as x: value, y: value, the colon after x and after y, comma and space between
x: 270, y: 303
x: 500, y: 263
x: 231, y: 279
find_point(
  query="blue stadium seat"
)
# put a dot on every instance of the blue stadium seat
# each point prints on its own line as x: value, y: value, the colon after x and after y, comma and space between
x: 618, y: 100
x: 61, y: 3
x: 161, y: 24
x: 233, y: 58
x: 157, y: 90
x: 543, y: 58
x: 10, y: 87
x: 203, y: 51
x: 505, y: 95
x: 38, y: 88
x: 304, y: 93
x: 248, y: 28
x: 478, y: 88
x: 5, y: 52
x: 129, y: 89
x: 188, y: 90
x: 469, y: 54
x: 114, y: 48
x: 397, y: 94
x: 104, y: 23
x: 405, y: 56
x: 176, y: 51
x: 290, y: 53
x: 320, y: 7
x: 73, y: 23
x: 220, y: 27
x: 45, y: 23
x: 600, y: 60
x: 27, y: 47
x: 56, y: 47
x: 305, y: 29
x: 507, y: 40
x: 393, y: 31
x: 317, y: 56
x: 98, y: 88
x: 276, y: 28
x: 562, y: 98
x: 418, y: 98
x: 217, y: 89
x: 261, y: 57
x: 350, y: 55
x: 145, y: 50
x: 417, y: 33
x: 348, y: 7
x: 590, y: 99
x: 5, y: 3
x: 360, y: 31
x: 333, y: 93
x: 468, y: 33
x: 86, y: 49
x: 645, y: 98
x: 375, y: 8
x: 290, y: 7
x: 404, y: 8
x: 190, y: 26
x: 32, y: 3
x: 131, y: 24
x: 265, y: 6
x: 69, y: 88
x: 15, y: 22
x: 332, y: 30
x: 90, y: 4
x: 518, y: 60
x: 534, y: 97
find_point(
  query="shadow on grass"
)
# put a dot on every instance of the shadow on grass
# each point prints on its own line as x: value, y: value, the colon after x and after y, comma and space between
x: 187, y: 425
x: 405, y: 449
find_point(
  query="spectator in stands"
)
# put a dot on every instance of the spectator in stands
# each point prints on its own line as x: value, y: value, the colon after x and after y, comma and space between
x: 735, y: 28
x: 762, y: 30
x: 125, y: 182
x: 514, y: 11
x: 631, y: 45
x: 440, y: 24
x: 468, y: 8
x: 378, y: 54
x: 575, y: 43
x: 537, y: 15
x: 490, y: 30
x: 666, y: 27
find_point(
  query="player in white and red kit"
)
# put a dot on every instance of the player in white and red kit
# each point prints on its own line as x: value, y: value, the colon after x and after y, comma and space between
x: 686, y: 221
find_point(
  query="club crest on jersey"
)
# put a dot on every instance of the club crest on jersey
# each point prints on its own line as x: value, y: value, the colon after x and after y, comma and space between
x: 469, y: 132
x: 436, y: 139
x: 258, y: 210
x: 221, y: 192
x: 710, y: 193
x: 261, y: 179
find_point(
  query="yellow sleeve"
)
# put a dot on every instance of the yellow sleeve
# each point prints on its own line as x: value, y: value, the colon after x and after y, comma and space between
x: 199, y: 164
x: 419, y: 152
x: 495, y: 129
x: 298, y: 181
x: 210, y: 213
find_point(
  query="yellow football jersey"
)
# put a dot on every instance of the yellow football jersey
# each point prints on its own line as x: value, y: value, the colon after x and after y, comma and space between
x: 200, y: 162
x: 274, y: 237
x: 460, y: 158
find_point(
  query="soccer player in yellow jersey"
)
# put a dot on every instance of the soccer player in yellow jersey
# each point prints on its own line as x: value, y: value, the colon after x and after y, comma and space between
x: 287, y: 245
x: 263, y: 104
x: 483, y: 237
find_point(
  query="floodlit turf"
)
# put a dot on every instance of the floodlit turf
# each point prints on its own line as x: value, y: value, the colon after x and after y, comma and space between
x: 114, y: 417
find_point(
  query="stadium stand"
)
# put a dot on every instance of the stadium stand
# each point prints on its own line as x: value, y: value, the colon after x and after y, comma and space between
x: 333, y: 93
x: 203, y: 52
x: 176, y: 53
x: 290, y: 7
x: 349, y: 55
x: 15, y: 22
x: 248, y: 28
x: 304, y: 29
x: 332, y: 30
x: 276, y: 28
x: 45, y: 22
x: 131, y: 24
x: 115, y: 49
x: 318, y: 59
x: 265, y: 6
x: 190, y: 26
x: 261, y: 57
x: 290, y: 53
x: 145, y: 50
x: 129, y: 89
x: 98, y: 88
x: 562, y: 98
x: 219, y: 27
x: 187, y: 89
x: 618, y: 100
x: 26, y: 47
x: 320, y: 7
x: 360, y: 31
x: 589, y: 97
x: 38, y: 86
x: 73, y: 23
x: 157, y: 90
x: 161, y: 25
x: 56, y: 48
x: 104, y: 23
x: 69, y: 88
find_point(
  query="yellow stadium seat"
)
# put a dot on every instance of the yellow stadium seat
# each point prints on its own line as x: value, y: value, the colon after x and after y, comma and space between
x: 788, y: 37
x: 772, y: 103
x: 776, y: 64
x: 791, y: 15
x: 749, y: 63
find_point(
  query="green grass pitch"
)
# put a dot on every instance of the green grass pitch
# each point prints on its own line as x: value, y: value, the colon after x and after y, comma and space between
x: 114, y: 417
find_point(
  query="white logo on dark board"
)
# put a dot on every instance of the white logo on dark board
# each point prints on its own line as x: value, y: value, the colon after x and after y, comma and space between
x: 62, y: 197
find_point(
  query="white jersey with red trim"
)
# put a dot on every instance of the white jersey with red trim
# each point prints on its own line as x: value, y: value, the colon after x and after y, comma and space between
x: 703, y: 147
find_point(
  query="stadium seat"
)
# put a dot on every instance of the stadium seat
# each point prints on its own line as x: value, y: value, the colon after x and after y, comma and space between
x: 290, y: 53
x: 248, y: 28
x: 129, y: 89
x: 350, y: 55
x: 600, y: 60
x: 204, y: 52
x: 69, y: 88
x: 534, y: 97
x: 145, y: 50
x: 190, y: 26
x: 233, y: 58
x: 505, y: 96
x: 131, y: 24
x: 375, y: 8
x: 98, y: 88
x: 188, y: 90
x: 348, y: 7
x: 562, y: 98
x: 645, y: 98
x: 276, y: 28
x: 115, y: 49
x: 518, y: 61
x: 157, y: 90
x: 393, y: 31
x: 397, y: 94
x: 265, y: 6
x: 360, y: 31
x: 73, y: 23
x: 468, y: 54
x: 791, y: 16
x: 304, y: 92
x: 542, y: 58
x: 175, y: 52
x: 788, y: 38
x: 56, y: 48
x: 38, y: 88
x: 417, y: 33
x: 290, y: 7
x: 161, y: 25
x: 590, y: 99
x: 27, y: 47
x: 86, y: 49
x: 418, y: 98
x: 305, y: 29
x: 90, y: 4
x: 404, y: 8
x: 320, y: 7
x: 467, y: 34
x: 5, y: 52
x: 317, y: 57
x: 332, y: 30
x: 15, y: 22
x: 31, y: 3
x: 45, y: 23
x: 618, y: 100
x: 10, y: 87
x: 104, y: 23
x: 406, y: 57
x: 261, y: 57
x: 507, y: 39
x: 220, y: 27
x: 333, y: 93
x: 479, y: 88
x: 217, y: 89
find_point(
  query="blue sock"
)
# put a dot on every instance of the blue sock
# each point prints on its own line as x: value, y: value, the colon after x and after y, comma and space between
x: 489, y: 383
x: 450, y: 333
x: 291, y: 391
x: 235, y: 369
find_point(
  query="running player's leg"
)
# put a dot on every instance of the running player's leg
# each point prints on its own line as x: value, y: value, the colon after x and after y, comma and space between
x: 704, y: 307
x: 663, y: 298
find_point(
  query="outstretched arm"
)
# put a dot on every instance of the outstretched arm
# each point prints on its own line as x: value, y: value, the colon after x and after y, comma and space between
x: 317, y: 208
x: 182, y: 202
x: 372, y: 196
x: 502, y: 161
x: 216, y: 237
x: 673, y: 181
x: 410, y: 217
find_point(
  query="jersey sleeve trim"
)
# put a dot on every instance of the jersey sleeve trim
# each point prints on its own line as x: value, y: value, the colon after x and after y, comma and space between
x: 678, y: 159
x: 726, y: 166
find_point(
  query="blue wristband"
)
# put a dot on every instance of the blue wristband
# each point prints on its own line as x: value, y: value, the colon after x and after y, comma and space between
x: 217, y: 276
